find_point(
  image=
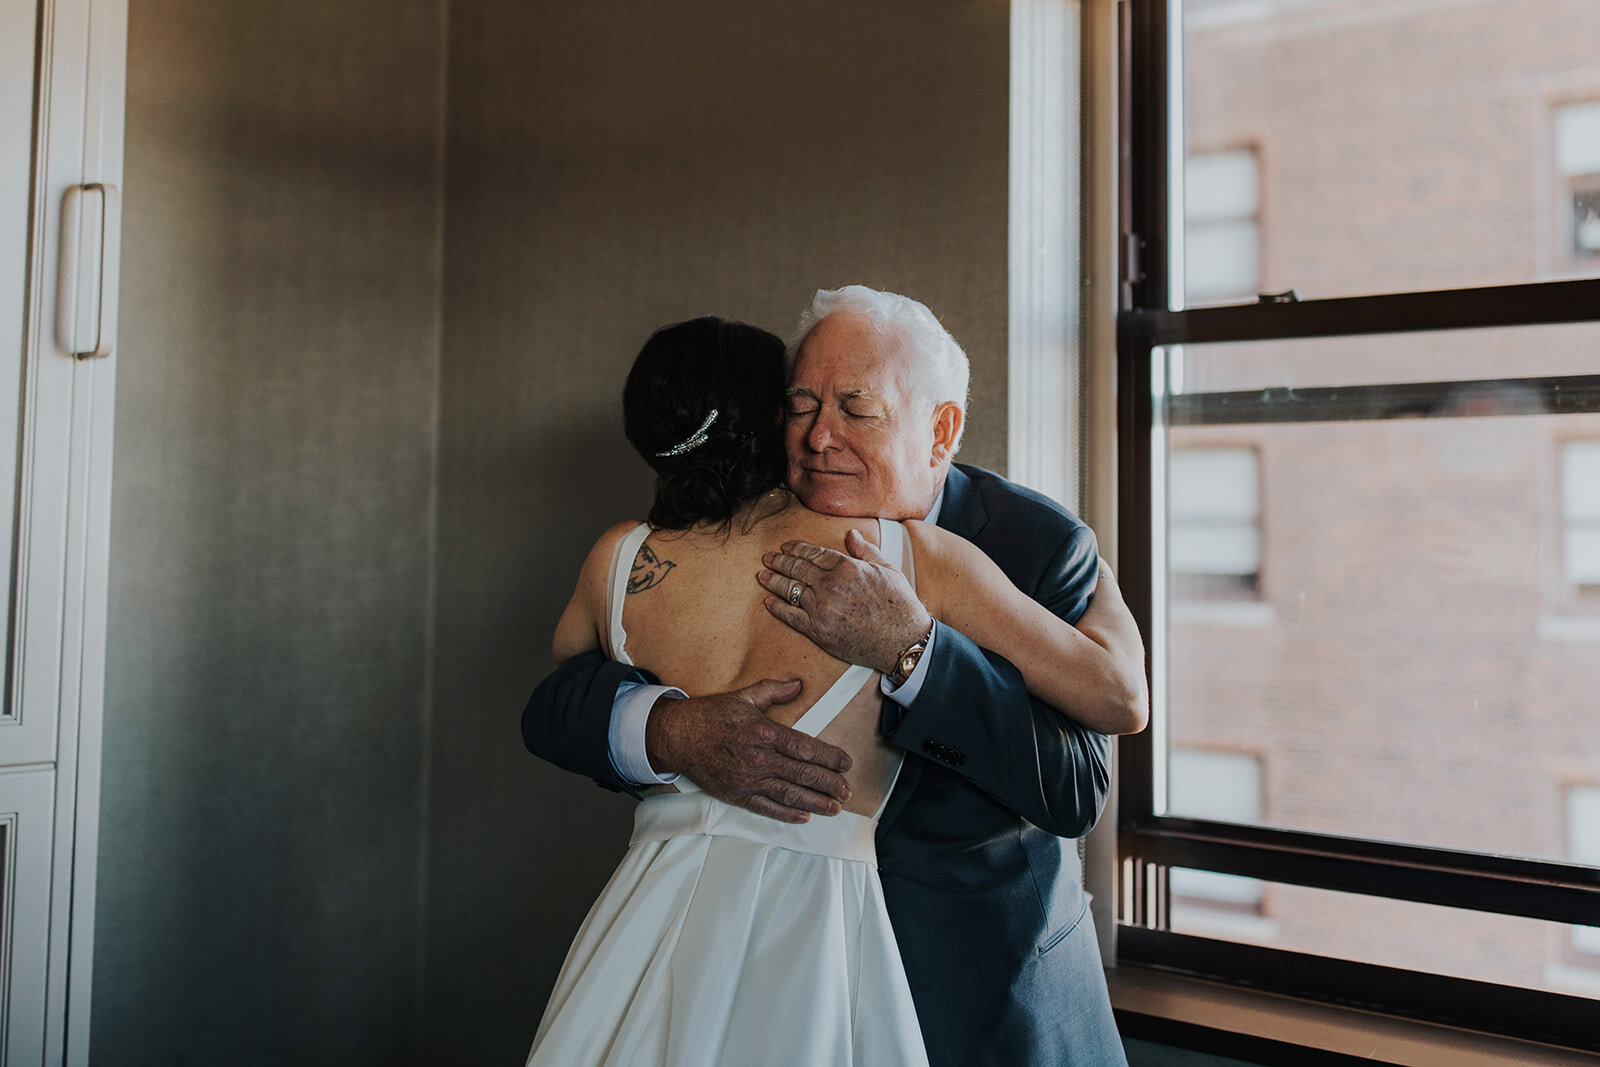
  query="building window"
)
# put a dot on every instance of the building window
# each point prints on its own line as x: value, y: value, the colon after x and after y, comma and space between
x: 1577, y: 144
x: 1583, y: 846
x: 1221, y: 787
x: 1222, y: 226
x: 1214, y: 516
x: 1580, y: 514
x: 1410, y: 399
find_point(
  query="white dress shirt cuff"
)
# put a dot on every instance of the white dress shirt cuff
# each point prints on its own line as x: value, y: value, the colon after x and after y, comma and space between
x: 630, y: 711
x: 905, y: 694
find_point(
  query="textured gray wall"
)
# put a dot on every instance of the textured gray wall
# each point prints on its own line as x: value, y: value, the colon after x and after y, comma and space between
x: 612, y: 166
x: 261, y: 819
x: 276, y: 780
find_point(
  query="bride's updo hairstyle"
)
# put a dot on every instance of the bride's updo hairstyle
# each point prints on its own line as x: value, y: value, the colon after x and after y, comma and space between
x: 704, y: 471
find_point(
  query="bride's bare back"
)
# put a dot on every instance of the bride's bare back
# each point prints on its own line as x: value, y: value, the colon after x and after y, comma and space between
x: 694, y: 616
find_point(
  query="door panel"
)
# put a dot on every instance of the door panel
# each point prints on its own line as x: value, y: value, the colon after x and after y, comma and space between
x: 19, y: 21
x: 26, y: 831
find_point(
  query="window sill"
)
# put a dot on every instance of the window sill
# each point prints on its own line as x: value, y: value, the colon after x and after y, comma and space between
x: 1568, y: 626
x: 1141, y: 994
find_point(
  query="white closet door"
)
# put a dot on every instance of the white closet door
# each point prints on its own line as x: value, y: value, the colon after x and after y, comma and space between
x: 62, y: 66
x: 26, y: 798
x: 26, y: 735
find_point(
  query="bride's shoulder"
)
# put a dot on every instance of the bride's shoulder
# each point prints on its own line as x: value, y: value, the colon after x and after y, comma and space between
x: 938, y: 549
x: 597, y: 567
x: 582, y: 624
x: 608, y: 541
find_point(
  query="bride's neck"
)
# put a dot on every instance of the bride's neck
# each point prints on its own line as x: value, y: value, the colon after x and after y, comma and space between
x: 768, y: 505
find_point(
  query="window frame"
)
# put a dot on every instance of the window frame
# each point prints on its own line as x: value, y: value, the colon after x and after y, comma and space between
x: 1569, y: 259
x: 1254, y: 218
x: 1254, y: 909
x: 1575, y: 594
x: 1573, y: 955
x: 1574, y: 186
x: 1246, y: 587
x: 1147, y: 843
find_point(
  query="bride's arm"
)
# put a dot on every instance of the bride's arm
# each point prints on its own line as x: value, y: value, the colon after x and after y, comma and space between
x: 583, y: 623
x: 1092, y: 672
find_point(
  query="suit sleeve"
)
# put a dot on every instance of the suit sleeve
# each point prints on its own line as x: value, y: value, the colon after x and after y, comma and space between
x: 974, y: 715
x: 568, y: 718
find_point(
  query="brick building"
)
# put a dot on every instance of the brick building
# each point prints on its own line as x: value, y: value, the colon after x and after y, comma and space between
x: 1390, y: 628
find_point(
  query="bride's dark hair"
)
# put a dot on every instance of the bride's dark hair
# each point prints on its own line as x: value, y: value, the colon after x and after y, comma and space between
x: 683, y: 373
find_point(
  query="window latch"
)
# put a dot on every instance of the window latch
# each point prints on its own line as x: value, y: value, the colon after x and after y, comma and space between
x: 1288, y: 296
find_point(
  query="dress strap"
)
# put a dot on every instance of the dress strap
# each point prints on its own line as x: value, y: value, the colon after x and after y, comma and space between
x: 841, y: 692
x: 892, y: 541
x: 831, y: 703
x: 621, y: 568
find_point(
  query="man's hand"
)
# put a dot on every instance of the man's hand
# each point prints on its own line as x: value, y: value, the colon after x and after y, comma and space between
x: 728, y: 747
x: 858, y: 608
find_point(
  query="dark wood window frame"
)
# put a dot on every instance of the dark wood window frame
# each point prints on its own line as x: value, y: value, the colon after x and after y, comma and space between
x: 1148, y: 843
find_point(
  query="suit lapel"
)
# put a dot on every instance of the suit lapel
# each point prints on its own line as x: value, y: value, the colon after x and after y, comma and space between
x: 961, y: 513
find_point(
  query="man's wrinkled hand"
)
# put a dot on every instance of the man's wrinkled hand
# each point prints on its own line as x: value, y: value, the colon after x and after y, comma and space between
x: 856, y: 607
x: 728, y: 747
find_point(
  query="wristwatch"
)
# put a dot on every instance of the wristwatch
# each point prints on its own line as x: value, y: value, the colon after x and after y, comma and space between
x: 908, y: 659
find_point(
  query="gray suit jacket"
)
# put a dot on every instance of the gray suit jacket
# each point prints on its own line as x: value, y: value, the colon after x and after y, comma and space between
x: 979, y: 870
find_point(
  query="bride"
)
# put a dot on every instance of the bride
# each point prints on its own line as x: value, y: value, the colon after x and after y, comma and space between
x: 725, y: 937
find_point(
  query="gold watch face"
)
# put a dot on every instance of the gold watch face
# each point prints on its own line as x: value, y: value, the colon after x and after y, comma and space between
x: 908, y: 662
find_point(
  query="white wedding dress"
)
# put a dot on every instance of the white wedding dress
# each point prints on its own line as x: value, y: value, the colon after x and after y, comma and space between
x: 728, y: 938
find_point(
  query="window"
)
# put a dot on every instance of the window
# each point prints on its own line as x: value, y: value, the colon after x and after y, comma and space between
x: 1215, y: 512
x: 1376, y: 454
x: 1583, y: 845
x: 1222, y: 242
x: 1580, y: 513
x: 1577, y: 144
x: 1226, y: 787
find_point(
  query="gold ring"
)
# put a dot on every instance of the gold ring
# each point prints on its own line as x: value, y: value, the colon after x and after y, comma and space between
x: 794, y: 592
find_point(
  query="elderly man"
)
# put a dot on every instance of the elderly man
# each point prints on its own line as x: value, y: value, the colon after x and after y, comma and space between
x: 980, y: 875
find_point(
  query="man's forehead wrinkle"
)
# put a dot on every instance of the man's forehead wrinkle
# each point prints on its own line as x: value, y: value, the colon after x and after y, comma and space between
x: 865, y: 360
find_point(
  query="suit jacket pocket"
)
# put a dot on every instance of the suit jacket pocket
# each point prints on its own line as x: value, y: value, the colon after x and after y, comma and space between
x: 1060, y: 933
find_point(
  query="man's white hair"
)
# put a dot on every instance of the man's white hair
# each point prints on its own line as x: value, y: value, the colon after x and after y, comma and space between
x: 938, y: 369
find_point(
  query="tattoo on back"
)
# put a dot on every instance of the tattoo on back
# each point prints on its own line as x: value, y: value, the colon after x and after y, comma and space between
x: 649, y: 570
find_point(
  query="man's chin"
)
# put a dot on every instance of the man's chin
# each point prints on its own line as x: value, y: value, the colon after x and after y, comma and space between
x: 830, y: 499
x: 832, y: 504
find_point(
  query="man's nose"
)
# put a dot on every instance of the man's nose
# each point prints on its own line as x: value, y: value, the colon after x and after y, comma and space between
x: 820, y: 434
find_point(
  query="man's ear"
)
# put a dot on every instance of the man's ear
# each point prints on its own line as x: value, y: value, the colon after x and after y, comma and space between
x: 947, y: 421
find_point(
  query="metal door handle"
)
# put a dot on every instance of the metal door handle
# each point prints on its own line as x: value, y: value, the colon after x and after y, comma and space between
x: 86, y: 296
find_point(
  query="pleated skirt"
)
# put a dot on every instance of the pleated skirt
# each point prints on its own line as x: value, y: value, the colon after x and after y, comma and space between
x: 728, y: 938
